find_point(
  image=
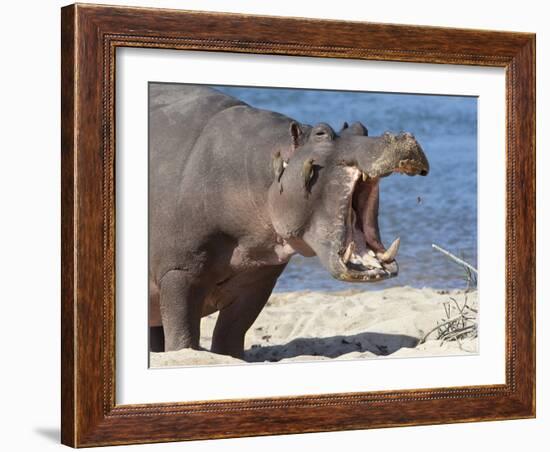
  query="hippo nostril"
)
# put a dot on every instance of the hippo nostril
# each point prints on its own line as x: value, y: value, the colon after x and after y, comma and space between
x: 423, y: 173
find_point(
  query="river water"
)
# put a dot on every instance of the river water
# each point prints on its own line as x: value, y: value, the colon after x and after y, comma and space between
x: 440, y: 208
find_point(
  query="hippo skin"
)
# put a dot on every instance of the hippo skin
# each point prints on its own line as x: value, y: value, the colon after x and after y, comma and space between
x: 235, y: 191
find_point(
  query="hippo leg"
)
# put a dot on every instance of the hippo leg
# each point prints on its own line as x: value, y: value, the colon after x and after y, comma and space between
x: 235, y: 319
x: 180, y: 308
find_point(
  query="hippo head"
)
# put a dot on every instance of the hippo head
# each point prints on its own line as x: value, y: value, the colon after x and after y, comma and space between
x: 325, y: 201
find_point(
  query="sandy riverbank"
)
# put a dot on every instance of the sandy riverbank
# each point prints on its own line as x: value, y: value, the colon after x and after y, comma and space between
x: 306, y: 326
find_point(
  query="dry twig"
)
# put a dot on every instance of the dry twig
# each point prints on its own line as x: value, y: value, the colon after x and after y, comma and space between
x: 464, y: 324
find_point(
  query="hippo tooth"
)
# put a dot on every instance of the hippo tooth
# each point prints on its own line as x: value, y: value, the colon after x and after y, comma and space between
x: 370, y: 261
x: 285, y: 164
x: 348, y: 252
x: 365, y: 177
x: 371, y: 252
x: 390, y: 253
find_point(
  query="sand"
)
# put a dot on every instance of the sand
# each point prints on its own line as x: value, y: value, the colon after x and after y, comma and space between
x: 306, y: 326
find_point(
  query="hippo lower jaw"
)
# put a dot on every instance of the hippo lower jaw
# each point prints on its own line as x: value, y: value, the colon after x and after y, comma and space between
x: 362, y: 257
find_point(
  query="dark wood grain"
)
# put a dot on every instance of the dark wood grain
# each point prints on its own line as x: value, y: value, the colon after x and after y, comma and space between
x: 67, y: 226
x: 90, y: 36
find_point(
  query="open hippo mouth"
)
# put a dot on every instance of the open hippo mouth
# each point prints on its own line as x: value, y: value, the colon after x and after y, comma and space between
x: 362, y: 254
x: 334, y: 214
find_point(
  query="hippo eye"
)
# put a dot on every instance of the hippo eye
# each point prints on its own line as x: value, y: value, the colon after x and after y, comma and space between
x: 322, y: 132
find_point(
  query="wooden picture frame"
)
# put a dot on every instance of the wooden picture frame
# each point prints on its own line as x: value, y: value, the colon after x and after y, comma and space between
x: 90, y: 35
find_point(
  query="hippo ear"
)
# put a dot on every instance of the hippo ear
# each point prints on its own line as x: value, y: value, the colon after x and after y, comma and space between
x: 359, y: 129
x: 297, y: 135
x: 355, y: 129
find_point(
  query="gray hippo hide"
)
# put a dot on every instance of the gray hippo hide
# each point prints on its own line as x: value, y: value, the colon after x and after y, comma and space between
x: 236, y: 191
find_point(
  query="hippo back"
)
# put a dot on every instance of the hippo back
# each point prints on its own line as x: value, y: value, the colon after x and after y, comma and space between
x: 177, y: 116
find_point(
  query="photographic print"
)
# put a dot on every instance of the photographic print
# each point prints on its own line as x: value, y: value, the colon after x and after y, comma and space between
x: 299, y: 225
x: 298, y: 216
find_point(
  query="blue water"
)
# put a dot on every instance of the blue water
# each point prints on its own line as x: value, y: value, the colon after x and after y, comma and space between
x: 440, y: 208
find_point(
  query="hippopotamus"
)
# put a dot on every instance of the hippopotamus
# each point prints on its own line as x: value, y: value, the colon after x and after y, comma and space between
x: 236, y: 191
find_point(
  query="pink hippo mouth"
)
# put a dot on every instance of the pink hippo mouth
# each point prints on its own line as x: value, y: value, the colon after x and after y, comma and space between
x: 362, y: 253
